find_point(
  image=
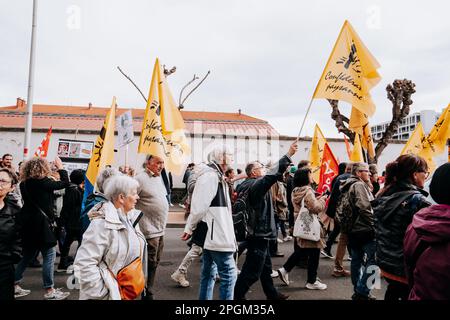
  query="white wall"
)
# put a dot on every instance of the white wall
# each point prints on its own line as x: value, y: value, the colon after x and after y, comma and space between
x: 244, y: 150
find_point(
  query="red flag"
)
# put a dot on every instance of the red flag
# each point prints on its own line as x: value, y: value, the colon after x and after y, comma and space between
x: 347, y: 146
x: 43, y: 148
x: 328, y: 170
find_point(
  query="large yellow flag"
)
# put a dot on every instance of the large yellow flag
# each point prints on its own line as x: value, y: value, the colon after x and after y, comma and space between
x: 436, y: 140
x: 350, y: 73
x: 163, y: 127
x: 359, y: 123
x: 357, y: 155
x: 103, y: 153
x: 316, y: 152
x: 414, y: 143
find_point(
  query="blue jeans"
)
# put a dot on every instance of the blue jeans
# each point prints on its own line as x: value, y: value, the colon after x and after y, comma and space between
x: 226, y: 267
x: 48, y: 265
x: 362, y: 269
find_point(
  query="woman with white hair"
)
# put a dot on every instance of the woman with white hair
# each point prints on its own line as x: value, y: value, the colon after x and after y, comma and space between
x: 94, y: 199
x: 111, y: 260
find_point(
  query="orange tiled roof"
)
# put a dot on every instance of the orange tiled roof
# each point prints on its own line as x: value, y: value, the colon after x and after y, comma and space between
x: 91, y: 119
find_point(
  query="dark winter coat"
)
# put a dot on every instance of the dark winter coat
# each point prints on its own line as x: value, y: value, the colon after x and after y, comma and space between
x: 262, y: 218
x: 71, y: 210
x: 10, y: 246
x: 427, y: 254
x: 393, y: 212
x: 35, y: 226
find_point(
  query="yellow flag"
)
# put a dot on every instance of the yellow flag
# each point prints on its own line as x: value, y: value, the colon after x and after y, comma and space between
x: 163, y: 127
x: 436, y: 140
x: 359, y: 123
x: 414, y: 143
x: 103, y: 153
x: 350, y: 73
x: 357, y: 155
x: 316, y: 152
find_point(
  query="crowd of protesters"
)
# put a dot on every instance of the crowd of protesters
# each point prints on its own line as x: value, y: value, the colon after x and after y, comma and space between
x: 387, y: 224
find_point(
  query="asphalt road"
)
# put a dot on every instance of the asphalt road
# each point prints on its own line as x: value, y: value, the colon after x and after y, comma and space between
x: 174, y: 251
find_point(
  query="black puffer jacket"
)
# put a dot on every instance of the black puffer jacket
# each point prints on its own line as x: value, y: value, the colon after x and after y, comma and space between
x: 262, y: 217
x: 10, y: 248
x: 393, y: 212
x: 71, y: 210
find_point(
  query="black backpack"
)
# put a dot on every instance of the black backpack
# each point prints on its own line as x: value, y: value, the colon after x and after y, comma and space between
x: 344, y: 212
x: 241, y: 215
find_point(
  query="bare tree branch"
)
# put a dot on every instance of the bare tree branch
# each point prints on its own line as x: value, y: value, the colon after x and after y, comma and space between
x: 399, y: 93
x: 169, y: 72
x: 133, y: 83
x: 204, y: 78
x: 340, y: 120
x: 181, y: 92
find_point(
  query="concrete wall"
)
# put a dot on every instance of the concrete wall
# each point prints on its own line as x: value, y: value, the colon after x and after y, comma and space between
x: 245, y: 150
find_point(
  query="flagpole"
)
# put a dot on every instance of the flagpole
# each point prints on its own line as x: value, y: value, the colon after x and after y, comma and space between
x: 29, y: 112
x: 304, y: 119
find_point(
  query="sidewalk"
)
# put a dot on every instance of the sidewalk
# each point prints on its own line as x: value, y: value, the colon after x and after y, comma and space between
x: 176, y: 217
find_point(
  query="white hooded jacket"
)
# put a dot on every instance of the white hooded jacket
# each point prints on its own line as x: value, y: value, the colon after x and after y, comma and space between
x: 211, y: 203
x: 105, y: 245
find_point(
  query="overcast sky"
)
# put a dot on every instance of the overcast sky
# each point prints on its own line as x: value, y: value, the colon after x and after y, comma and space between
x: 265, y: 57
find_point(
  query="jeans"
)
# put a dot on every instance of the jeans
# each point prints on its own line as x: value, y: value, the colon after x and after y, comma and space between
x: 281, y: 225
x: 193, y: 253
x: 226, y: 268
x: 361, y: 270
x: 313, y: 256
x: 6, y: 281
x: 48, y: 265
x: 257, y: 265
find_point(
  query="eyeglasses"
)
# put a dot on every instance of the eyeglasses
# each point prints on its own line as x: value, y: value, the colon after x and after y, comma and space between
x: 4, y: 182
x: 427, y: 173
x: 364, y: 170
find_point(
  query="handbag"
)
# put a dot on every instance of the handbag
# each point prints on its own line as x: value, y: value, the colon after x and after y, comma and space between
x: 307, y: 225
x: 130, y: 279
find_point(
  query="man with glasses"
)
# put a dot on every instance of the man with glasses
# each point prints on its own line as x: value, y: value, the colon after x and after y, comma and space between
x: 258, y: 264
x: 361, y: 232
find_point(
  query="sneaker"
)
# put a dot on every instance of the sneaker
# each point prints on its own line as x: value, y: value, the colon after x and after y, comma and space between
x: 279, y: 240
x: 171, y: 204
x: 61, y: 269
x: 56, y: 294
x: 284, y: 275
x: 182, y: 205
x: 326, y: 253
x: 274, y: 274
x: 20, y: 292
x: 349, y: 258
x: 357, y: 296
x: 316, y: 286
x: 180, y: 278
x: 287, y: 238
x: 70, y: 269
x: 340, y: 273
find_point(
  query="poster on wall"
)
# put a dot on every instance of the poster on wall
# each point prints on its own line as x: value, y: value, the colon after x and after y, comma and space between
x: 75, y: 154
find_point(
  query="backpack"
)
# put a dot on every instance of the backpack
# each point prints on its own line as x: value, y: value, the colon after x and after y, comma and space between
x: 344, y: 212
x: 241, y: 217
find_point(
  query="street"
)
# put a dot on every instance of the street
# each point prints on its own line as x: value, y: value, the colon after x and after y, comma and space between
x: 174, y: 251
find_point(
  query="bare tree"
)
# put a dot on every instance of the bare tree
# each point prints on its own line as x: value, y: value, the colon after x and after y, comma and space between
x: 167, y: 73
x: 399, y: 93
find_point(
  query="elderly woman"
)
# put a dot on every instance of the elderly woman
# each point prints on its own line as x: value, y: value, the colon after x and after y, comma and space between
x: 110, y: 262
x: 37, y: 221
x: 94, y: 199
